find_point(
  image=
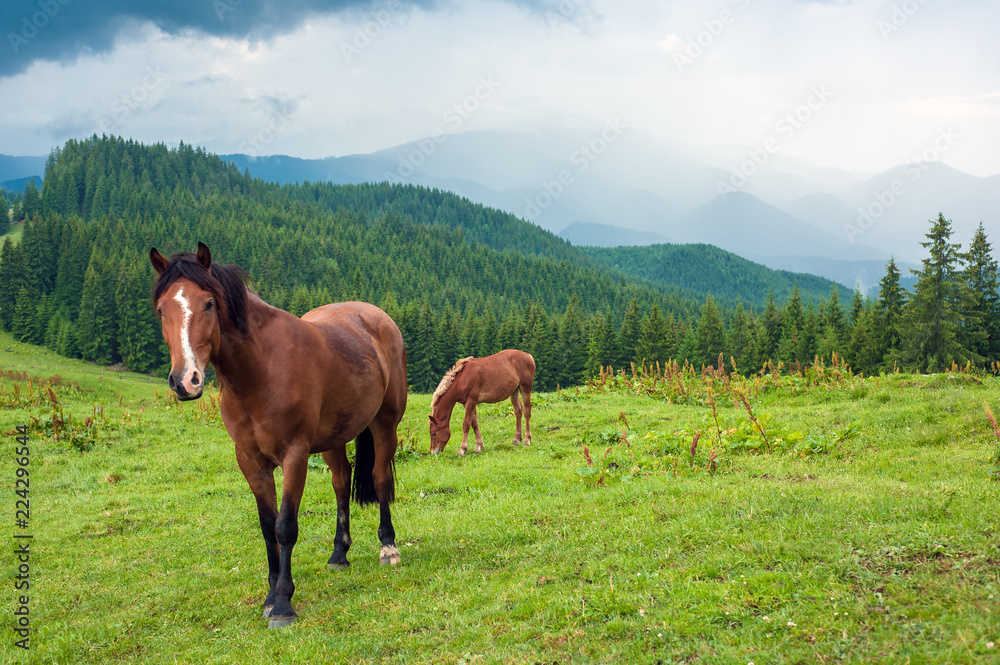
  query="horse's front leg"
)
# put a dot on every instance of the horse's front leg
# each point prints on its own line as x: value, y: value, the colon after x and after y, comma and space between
x: 470, y: 414
x: 475, y: 428
x: 260, y: 476
x: 286, y: 531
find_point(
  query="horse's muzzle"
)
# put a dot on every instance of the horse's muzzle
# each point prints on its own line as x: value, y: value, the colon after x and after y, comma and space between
x: 181, y: 391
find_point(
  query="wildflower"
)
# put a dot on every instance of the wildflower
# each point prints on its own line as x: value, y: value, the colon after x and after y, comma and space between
x: 986, y: 407
x: 990, y: 645
x: 642, y: 612
x: 766, y: 618
x: 791, y: 623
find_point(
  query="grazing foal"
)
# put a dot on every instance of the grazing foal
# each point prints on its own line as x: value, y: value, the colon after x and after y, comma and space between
x: 472, y: 381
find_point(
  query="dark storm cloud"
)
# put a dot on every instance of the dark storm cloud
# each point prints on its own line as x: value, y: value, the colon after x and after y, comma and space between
x: 63, y: 29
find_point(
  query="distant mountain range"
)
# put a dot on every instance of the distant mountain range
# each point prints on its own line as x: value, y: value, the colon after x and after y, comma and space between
x: 611, y: 185
x: 15, y: 172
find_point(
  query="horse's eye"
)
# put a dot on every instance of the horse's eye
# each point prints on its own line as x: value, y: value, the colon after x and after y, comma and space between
x: 209, y: 305
x: 159, y: 313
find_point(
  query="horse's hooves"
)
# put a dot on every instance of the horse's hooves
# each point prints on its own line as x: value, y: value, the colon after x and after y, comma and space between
x: 389, y: 556
x: 338, y: 565
x: 267, y: 611
x: 281, y: 622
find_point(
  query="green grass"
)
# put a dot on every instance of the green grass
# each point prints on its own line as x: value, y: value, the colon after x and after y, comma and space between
x: 15, y: 233
x: 877, y: 541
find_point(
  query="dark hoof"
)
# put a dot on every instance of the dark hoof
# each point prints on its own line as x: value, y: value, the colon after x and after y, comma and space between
x: 267, y: 611
x: 281, y: 622
x: 338, y: 565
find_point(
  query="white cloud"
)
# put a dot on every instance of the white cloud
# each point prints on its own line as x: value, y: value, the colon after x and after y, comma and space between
x: 361, y: 81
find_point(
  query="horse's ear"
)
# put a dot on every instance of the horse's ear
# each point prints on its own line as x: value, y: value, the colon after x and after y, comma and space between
x: 204, y: 256
x: 159, y: 263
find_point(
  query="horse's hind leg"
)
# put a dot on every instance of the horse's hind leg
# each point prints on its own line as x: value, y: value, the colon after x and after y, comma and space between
x: 385, y: 442
x: 515, y: 401
x: 340, y: 470
x: 526, y: 398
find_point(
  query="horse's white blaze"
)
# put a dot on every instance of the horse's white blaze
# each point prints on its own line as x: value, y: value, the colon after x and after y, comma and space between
x: 189, y: 361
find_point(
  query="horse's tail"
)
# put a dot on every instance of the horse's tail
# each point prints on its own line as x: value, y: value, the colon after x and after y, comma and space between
x: 363, y: 485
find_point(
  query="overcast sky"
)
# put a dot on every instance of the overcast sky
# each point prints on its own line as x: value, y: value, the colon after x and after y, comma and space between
x: 855, y: 84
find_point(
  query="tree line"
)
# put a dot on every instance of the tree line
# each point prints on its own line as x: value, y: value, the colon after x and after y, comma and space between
x: 452, y: 274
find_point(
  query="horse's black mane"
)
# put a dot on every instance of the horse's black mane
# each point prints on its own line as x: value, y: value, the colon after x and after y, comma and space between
x: 227, y: 284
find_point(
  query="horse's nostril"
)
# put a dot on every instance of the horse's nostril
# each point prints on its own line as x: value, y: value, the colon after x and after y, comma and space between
x: 195, y: 380
x: 172, y: 382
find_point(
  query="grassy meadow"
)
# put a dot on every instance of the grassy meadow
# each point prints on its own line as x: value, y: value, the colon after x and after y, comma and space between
x: 849, y: 520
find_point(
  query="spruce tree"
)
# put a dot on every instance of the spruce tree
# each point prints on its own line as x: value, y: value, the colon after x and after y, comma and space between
x: 982, y: 331
x: 628, y: 337
x: 23, y: 321
x: 833, y: 334
x: 488, y: 344
x: 540, y: 341
x: 472, y: 333
x: 793, y: 323
x: 863, y: 352
x: 770, y: 335
x: 420, y: 348
x: 4, y: 214
x: 889, y: 311
x: 602, y: 344
x: 741, y: 340
x: 447, y: 337
x: 652, y: 346
x: 96, y: 324
x: 31, y: 202
x: 301, y: 301
x: 11, y: 281
x: 138, y: 336
x: 711, y: 334
x: 932, y: 321
x: 572, y: 346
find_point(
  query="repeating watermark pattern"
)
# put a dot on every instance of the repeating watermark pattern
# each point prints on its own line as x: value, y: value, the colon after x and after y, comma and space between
x: 22, y: 539
x: 582, y: 158
x: 566, y: 11
x: 900, y: 16
x: 371, y: 29
x: 223, y: 7
x: 130, y: 100
x: 913, y: 170
x: 35, y: 22
x: 713, y: 29
x: 453, y: 118
x: 786, y: 127
x: 254, y: 144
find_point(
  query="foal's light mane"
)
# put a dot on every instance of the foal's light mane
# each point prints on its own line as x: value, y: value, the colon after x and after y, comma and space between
x: 446, y: 382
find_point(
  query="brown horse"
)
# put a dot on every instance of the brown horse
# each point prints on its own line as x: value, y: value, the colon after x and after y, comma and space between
x: 290, y: 387
x: 472, y: 381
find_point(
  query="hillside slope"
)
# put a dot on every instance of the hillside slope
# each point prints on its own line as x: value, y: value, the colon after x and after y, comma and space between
x: 711, y: 271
